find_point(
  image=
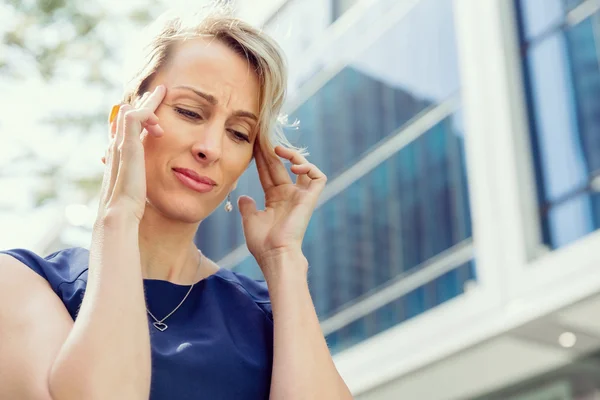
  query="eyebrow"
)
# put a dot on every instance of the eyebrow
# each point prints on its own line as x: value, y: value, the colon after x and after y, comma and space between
x: 213, y: 101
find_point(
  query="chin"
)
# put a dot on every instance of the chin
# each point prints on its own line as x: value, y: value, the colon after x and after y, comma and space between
x: 179, y: 208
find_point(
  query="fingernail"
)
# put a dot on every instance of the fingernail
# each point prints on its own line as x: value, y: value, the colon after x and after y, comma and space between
x: 113, y: 113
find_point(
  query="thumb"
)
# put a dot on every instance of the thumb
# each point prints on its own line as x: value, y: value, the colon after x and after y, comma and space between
x: 247, y: 206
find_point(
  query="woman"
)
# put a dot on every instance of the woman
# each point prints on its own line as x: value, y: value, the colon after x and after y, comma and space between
x: 144, y: 314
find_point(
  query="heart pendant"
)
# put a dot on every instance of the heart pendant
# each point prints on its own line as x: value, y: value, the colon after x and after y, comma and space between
x: 161, y: 326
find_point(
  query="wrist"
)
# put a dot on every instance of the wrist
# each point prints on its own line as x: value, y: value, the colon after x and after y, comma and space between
x: 117, y: 219
x: 283, y: 264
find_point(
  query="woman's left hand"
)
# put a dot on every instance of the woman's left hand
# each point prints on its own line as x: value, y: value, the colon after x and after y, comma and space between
x: 279, y: 228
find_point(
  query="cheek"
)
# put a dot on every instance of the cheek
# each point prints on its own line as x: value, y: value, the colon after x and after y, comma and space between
x: 150, y: 148
x: 156, y: 152
x: 155, y: 147
x: 237, y: 162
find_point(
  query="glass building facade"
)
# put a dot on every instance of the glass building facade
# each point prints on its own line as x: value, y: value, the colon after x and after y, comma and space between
x: 392, y: 218
x: 562, y: 72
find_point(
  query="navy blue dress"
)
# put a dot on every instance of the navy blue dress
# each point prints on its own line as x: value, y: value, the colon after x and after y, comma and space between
x: 219, y: 344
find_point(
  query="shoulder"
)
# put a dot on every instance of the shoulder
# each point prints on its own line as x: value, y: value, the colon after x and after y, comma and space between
x: 65, y: 270
x: 254, y: 289
x: 63, y: 265
x: 66, y: 264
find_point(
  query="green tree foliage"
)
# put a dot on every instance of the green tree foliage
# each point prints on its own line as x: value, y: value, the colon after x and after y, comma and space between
x: 50, y: 32
x: 64, y: 40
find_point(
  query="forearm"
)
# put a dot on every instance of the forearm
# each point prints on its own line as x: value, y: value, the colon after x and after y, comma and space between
x: 302, y: 365
x: 107, y: 353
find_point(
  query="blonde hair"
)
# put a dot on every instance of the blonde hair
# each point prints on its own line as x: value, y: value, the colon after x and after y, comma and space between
x: 217, y: 21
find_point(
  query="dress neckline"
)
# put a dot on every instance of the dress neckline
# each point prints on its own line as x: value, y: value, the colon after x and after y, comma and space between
x: 219, y: 272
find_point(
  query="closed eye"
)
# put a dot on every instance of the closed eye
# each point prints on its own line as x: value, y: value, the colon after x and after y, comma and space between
x: 239, y: 135
x: 187, y: 113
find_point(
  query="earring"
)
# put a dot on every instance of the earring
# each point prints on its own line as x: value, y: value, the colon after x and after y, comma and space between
x: 228, y: 206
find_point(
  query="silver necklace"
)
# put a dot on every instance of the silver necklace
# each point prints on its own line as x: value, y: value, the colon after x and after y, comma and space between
x: 160, y: 324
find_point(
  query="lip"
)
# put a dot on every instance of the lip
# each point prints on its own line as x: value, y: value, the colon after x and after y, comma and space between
x: 192, y: 180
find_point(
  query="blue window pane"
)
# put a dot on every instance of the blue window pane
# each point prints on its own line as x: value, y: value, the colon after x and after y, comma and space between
x: 390, y: 315
x: 559, y: 144
x: 582, y: 43
x: 436, y: 292
x: 448, y: 286
x: 333, y: 342
x: 563, y: 76
x: 378, y: 91
x: 431, y: 192
x: 415, y: 302
x: 408, y: 209
x: 574, y: 218
x: 541, y: 15
x: 332, y: 244
x: 379, y: 223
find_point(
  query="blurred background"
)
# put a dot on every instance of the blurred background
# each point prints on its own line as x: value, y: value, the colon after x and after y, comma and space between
x: 454, y: 253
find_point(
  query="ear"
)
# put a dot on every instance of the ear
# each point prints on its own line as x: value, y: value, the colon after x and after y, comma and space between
x: 234, y: 186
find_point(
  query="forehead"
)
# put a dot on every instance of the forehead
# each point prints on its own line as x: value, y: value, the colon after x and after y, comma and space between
x: 214, y: 68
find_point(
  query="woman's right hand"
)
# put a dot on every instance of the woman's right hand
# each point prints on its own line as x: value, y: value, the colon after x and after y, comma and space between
x: 124, y: 182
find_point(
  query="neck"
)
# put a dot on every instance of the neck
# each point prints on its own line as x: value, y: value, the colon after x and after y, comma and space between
x: 167, y: 249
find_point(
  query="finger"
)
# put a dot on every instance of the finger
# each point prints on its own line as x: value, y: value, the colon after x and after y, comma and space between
x: 114, y: 154
x: 309, y: 170
x: 136, y: 102
x: 153, y: 129
x: 135, y: 120
x: 262, y: 167
x: 139, y: 103
x: 277, y: 170
x: 309, y: 175
x: 119, y: 131
x: 293, y: 156
x: 106, y: 177
x: 118, y: 137
x: 301, y: 170
x: 155, y: 98
x: 108, y: 154
x: 296, y: 159
x: 148, y: 128
x: 131, y: 168
x: 247, y: 206
x: 112, y: 129
x: 150, y: 102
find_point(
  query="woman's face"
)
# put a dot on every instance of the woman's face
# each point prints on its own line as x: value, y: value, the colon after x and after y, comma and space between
x: 209, y: 116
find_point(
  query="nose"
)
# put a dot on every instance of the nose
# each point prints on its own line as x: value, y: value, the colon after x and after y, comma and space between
x: 208, y: 145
